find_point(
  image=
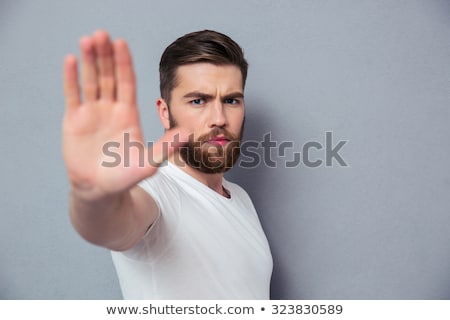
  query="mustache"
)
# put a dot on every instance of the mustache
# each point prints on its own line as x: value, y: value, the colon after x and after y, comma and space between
x: 217, y: 131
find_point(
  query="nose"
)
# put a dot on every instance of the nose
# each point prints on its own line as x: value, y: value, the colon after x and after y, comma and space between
x: 217, y: 115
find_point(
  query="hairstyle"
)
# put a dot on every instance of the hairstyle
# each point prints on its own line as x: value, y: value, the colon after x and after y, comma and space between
x: 201, y: 46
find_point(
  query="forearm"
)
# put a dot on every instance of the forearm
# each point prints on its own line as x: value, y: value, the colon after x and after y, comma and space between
x: 116, y: 222
x: 105, y: 222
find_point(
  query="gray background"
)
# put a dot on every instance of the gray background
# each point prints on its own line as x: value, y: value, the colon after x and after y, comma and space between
x: 375, y: 73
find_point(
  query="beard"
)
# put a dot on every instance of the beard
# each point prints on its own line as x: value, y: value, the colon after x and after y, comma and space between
x: 209, y: 157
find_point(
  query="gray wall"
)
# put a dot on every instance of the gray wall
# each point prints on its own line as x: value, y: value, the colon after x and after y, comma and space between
x: 374, y: 73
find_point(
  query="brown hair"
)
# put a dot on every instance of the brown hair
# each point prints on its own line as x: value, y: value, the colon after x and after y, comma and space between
x: 201, y: 46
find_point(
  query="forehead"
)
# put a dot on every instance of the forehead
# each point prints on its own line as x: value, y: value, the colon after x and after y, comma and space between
x: 207, y: 77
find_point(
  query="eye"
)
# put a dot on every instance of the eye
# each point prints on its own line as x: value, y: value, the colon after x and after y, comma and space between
x: 197, y: 102
x: 232, y: 101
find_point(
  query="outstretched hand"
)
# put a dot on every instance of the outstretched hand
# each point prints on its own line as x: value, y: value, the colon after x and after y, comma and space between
x: 103, y: 109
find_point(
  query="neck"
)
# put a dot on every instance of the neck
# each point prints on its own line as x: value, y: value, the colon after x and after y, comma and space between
x: 213, y: 181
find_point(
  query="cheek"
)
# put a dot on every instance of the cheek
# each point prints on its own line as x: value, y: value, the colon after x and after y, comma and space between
x: 188, y: 120
x: 236, y: 120
x: 193, y: 123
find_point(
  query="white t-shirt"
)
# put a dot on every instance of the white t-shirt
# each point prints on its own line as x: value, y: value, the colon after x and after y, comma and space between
x: 202, y: 245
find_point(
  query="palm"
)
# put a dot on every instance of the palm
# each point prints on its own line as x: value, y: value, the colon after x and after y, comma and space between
x: 107, y: 114
x: 87, y: 131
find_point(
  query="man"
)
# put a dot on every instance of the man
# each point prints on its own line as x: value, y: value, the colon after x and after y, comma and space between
x: 177, y: 229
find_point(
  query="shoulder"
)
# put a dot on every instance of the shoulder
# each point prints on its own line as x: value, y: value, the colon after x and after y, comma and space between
x: 161, y: 184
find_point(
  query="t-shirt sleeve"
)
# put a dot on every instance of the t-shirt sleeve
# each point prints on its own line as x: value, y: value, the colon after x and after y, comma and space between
x: 161, y: 232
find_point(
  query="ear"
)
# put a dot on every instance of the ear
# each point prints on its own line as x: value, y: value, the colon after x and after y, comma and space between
x: 163, y: 112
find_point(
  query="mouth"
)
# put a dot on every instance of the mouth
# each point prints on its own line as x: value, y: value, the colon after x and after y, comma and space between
x: 219, y: 141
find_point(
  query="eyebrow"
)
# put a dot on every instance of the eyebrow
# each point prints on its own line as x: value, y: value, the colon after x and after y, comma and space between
x: 198, y: 94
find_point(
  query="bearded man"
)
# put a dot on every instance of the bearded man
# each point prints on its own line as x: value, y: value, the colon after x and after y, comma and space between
x: 177, y: 229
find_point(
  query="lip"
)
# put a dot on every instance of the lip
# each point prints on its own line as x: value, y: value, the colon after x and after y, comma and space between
x: 221, y: 141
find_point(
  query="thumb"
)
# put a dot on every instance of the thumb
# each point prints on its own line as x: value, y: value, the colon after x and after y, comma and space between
x: 170, y: 142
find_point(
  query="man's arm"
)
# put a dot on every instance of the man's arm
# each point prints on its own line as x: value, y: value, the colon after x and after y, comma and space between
x: 117, y: 222
x: 106, y: 206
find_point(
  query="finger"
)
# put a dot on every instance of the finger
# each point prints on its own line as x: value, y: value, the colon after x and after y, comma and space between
x: 71, y: 86
x: 170, y: 143
x: 88, y: 69
x: 125, y: 77
x: 105, y: 65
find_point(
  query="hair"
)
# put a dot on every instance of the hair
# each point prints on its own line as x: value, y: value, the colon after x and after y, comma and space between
x: 201, y: 46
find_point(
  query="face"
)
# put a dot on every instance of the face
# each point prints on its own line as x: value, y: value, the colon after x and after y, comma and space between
x: 208, y: 101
